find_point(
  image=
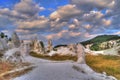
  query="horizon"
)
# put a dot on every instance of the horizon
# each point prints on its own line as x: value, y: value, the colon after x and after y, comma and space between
x: 63, y: 21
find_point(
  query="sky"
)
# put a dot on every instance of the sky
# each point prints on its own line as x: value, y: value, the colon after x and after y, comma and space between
x: 63, y: 21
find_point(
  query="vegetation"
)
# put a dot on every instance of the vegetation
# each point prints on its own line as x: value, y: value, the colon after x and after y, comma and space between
x: 98, y: 40
x: 101, y: 38
x: 54, y: 57
x: 60, y: 46
x: 42, y: 44
x: 2, y: 35
x: 6, y: 66
x: 108, y: 64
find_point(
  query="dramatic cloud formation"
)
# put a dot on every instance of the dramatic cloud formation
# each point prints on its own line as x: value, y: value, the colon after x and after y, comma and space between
x: 90, y: 4
x: 65, y: 12
x: 63, y: 22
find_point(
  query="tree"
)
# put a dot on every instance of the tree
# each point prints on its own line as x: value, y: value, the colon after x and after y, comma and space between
x: 2, y: 35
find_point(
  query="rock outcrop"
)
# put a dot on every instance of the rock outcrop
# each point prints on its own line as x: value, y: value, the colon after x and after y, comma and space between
x: 50, y: 47
x: 3, y: 44
x: 80, y: 54
x: 25, y: 48
x: 15, y: 40
x: 38, y: 47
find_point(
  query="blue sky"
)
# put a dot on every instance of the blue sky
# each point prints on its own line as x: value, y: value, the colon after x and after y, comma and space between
x: 63, y: 21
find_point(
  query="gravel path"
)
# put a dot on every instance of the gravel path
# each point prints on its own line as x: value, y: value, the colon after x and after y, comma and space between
x: 53, y: 70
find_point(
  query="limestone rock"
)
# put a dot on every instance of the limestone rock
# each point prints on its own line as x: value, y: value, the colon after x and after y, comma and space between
x: 15, y: 40
x: 13, y: 55
x: 50, y: 47
x: 10, y: 45
x: 38, y: 47
x: 25, y: 48
x: 3, y: 44
x: 80, y: 54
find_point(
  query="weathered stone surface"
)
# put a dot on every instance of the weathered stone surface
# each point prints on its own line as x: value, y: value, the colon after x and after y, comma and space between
x: 50, y: 47
x: 13, y: 55
x: 10, y: 45
x: 72, y: 47
x: 3, y: 44
x: 80, y: 54
x: 15, y: 40
x: 38, y: 47
x: 25, y: 48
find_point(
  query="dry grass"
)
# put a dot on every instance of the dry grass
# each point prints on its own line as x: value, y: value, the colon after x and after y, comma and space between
x: 5, y: 67
x: 54, y: 57
x: 16, y: 74
x: 108, y: 64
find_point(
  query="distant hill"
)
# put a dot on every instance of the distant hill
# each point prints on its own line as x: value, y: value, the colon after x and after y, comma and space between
x: 98, y: 40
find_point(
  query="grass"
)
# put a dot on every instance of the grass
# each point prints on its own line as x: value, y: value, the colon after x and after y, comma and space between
x: 16, y: 74
x: 108, y: 64
x: 6, y: 66
x: 54, y: 57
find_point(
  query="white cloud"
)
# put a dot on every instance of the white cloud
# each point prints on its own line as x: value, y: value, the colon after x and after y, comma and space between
x: 28, y: 8
x: 90, y: 4
x: 65, y: 12
x: 63, y: 34
x: 39, y: 24
x: 117, y: 33
x: 107, y: 22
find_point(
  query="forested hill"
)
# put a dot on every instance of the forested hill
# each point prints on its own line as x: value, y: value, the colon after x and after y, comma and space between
x: 100, y: 39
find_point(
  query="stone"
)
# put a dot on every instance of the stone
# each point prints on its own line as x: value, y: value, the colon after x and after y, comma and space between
x: 25, y: 48
x: 15, y: 40
x: 13, y: 55
x: 72, y: 47
x: 50, y: 47
x: 10, y: 45
x: 38, y: 47
x: 3, y: 44
x: 80, y: 54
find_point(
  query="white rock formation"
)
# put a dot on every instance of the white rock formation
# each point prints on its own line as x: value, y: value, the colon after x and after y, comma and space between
x: 111, y: 51
x: 15, y: 40
x: 25, y: 48
x: 49, y: 47
x: 80, y: 50
x: 62, y: 51
x: 13, y: 55
x: 38, y: 47
x: 3, y: 44
x: 72, y: 50
x: 10, y: 45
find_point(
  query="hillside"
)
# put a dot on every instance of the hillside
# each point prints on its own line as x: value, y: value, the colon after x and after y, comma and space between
x: 101, y: 40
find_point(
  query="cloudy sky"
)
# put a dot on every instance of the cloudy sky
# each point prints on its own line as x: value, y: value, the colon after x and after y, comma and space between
x: 63, y: 21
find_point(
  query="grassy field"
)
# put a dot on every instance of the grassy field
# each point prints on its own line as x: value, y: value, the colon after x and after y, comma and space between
x: 100, y: 63
x: 108, y: 64
x: 54, y: 57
